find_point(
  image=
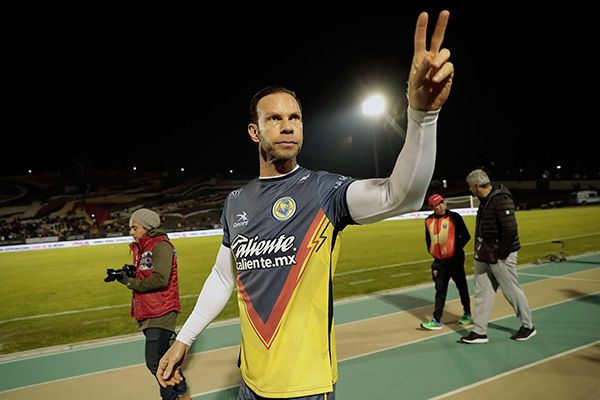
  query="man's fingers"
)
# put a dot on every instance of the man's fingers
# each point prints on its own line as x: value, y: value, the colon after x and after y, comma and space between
x: 177, y: 376
x: 165, y: 368
x: 159, y: 376
x: 440, y: 58
x: 440, y: 30
x: 166, y: 376
x: 421, y: 71
x: 444, y: 72
x: 162, y: 383
x: 421, y: 33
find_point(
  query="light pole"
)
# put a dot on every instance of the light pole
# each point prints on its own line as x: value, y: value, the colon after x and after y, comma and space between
x: 375, y: 153
x: 374, y: 106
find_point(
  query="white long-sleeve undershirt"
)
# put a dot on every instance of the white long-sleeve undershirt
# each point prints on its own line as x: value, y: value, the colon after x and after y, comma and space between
x: 212, y: 299
x: 369, y: 200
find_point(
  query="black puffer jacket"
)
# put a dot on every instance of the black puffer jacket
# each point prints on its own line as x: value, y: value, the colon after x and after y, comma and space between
x: 498, y: 223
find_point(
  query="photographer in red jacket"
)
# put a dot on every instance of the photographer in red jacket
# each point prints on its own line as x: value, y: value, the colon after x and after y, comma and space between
x: 155, y: 303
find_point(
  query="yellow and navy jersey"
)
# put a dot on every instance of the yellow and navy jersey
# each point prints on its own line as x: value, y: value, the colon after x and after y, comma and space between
x: 282, y: 233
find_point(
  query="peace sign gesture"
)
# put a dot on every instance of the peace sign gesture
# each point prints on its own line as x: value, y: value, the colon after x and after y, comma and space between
x: 431, y: 73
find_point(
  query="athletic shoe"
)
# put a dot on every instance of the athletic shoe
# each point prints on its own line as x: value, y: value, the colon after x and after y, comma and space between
x: 432, y: 325
x: 465, y: 319
x: 524, y: 333
x: 473, y: 337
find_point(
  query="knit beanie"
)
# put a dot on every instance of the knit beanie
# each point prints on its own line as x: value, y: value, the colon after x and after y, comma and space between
x: 146, y: 218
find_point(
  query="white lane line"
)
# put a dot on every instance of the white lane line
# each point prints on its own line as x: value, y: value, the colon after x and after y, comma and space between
x: 363, y: 281
x: 559, y: 277
x: 502, y: 375
x: 563, y: 238
x: 358, y: 271
x: 78, y: 311
x: 450, y: 331
x: 402, y: 274
x: 337, y: 275
x: 197, y: 395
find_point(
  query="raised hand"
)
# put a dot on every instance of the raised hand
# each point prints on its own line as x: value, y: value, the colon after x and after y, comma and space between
x: 431, y: 73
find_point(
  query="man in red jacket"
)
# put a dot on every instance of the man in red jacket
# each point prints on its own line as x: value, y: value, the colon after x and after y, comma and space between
x: 446, y: 234
x: 155, y: 303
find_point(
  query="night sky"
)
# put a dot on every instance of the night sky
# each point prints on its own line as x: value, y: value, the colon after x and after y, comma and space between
x: 97, y: 88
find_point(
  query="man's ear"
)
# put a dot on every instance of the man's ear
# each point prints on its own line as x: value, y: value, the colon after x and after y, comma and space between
x: 253, y: 132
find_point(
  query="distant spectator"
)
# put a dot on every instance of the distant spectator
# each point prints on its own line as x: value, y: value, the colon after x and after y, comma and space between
x: 446, y: 234
x: 496, y: 247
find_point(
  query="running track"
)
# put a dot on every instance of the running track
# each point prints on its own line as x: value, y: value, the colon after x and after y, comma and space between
x: 383, y: 353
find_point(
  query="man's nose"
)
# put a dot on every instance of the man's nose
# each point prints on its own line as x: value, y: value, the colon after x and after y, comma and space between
x: 286, y: 127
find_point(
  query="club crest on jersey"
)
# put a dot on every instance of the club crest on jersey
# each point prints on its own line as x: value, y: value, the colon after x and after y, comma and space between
x: 284, y: 208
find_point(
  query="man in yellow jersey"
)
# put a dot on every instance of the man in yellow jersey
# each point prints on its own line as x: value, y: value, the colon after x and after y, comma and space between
x: 280, y: 236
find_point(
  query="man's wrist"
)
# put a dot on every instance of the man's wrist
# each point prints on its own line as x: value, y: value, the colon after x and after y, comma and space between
x: 423, y: 117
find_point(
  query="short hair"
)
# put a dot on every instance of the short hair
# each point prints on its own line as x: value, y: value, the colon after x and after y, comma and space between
x: 478, y: 177
x: 265, y: 92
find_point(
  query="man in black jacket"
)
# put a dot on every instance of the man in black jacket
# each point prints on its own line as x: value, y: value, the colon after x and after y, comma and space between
x: 446, y: 234
x: 496, y: 246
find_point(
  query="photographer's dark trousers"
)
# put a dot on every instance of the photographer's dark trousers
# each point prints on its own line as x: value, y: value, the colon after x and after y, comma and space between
x: 441, y: 272
x: 158, y: 342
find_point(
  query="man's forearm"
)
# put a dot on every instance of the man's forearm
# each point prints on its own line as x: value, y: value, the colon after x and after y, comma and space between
x: 212, y: 299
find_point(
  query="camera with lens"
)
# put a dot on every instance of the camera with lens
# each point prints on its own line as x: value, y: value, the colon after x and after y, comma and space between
x: 116, y: 274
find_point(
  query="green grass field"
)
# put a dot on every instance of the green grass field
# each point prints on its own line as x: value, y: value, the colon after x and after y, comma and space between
x: 58, y: 296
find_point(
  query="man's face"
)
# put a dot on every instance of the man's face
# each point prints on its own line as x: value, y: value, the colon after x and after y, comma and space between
x: 136, y: 230
x: 440, y: 209
x: 474, y: 189
x: 279, y: 129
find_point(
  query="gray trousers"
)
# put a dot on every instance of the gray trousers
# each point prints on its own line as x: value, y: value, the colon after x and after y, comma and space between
x: 488, y: 277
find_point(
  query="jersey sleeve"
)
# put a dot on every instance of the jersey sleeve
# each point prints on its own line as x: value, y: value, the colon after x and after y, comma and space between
x: 331, y: 189
x: 226, y: 240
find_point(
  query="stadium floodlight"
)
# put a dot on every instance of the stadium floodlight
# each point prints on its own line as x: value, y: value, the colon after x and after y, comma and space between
x: 182, y: 169
x: 374, y: 105
x: 134, y: 168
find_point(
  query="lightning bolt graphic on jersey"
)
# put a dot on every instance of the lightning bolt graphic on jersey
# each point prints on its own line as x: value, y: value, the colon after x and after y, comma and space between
x: 312, y: 241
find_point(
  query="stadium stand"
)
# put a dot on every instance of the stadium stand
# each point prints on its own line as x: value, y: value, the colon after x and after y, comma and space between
x: 103, y: 211
x: 50, y: 206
